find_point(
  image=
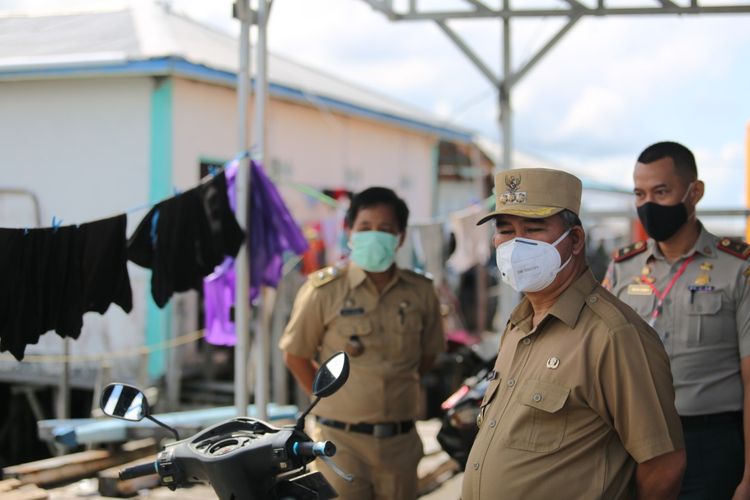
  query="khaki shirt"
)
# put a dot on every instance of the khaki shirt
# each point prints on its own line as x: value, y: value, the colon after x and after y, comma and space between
x: 575, y: 403
x: 397, y: 328
x: 704, y: 321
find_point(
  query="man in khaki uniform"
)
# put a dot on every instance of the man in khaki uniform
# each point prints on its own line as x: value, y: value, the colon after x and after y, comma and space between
x: 693, y: 288
x: 388, y: 320
x: 581, y: 404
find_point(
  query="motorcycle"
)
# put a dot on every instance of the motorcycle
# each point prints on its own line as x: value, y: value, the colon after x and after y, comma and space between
x: 241, y: 458
x: 460, y: 411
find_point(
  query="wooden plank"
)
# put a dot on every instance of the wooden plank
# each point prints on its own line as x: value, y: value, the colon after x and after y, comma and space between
x: 77, y: 465
x: 110, y: 484
x: 26, y: 492
x: 9, y: 484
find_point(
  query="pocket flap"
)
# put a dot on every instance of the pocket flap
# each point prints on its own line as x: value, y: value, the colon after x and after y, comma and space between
x: 705, y: 303
x: 490, y: 391
x: 544, y: 396
x: 348, y: 327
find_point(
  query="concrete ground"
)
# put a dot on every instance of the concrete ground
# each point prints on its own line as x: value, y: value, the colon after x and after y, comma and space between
x: 447, y: 486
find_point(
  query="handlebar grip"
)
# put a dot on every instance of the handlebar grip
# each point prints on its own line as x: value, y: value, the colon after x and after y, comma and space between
x: 315, y: 449
x: 139, y: 470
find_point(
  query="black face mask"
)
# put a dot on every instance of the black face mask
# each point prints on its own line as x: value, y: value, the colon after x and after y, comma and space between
x: 661, y: 222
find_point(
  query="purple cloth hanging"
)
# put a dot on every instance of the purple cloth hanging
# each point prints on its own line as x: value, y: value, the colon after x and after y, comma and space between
x: 272, y: 232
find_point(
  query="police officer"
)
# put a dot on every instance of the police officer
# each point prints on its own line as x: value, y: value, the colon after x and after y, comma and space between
x: 693, y: 288
x: 580, y: 402
x: 388, y: 320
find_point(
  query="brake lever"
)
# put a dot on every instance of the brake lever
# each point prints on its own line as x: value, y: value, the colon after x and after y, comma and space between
x: 343, y: 475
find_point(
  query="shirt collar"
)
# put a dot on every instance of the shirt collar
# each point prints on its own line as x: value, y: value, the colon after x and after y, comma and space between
x: 357, y: 276
x: 704, y: 245
x: 567, y: 308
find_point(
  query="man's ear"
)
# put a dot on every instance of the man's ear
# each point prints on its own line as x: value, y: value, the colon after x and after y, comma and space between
x: 578, y: 237
x: 699, y: 188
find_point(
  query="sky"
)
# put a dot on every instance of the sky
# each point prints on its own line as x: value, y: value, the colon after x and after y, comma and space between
x: 608, y: 89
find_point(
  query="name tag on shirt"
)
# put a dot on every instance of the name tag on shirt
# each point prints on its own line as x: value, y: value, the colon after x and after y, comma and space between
x: 352, y: 311
x: 701, y: 288
x: 638, y: 289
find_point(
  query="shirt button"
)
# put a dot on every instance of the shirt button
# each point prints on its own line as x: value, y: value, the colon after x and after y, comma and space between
x: 536, y: 397
x: 526, y: 341
x: 492, y: 424
x: 476, y: 466
x: 511, y: 382
x: 592, y: 299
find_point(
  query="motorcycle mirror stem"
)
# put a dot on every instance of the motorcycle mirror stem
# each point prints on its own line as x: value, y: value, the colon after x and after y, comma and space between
x: 328, y: 379
x: 127, y: 402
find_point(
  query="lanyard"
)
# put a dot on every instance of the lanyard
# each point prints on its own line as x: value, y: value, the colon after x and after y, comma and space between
x: 663, y: 294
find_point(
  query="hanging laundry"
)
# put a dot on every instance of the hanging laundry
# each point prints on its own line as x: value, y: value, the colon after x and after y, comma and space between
x: 272, y: 233
x: 473, y: 243
x: 52, y: 276
x: 183, y: 238
x: 427, y: 242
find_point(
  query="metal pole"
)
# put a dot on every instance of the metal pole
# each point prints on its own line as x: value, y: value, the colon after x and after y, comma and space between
x: 242, y: 184
x: 261, y: 85
x: 504, y: 94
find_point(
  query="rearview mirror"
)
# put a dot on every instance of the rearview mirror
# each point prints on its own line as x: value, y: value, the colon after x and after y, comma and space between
x: 331, y: 375
x: 125, y: 402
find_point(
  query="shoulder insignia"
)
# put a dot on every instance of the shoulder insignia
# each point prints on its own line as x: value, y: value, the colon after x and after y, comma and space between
x: 325, y: 275
x: 746, y: 273
x: 735, y: 247
x: 629, y: 251
x: 418, y: 274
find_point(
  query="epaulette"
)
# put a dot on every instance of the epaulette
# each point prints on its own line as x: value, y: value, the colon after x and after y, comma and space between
x: 735, y: 247
x: 412, y: 273
x: 325, y: 275
x: 629, y: 251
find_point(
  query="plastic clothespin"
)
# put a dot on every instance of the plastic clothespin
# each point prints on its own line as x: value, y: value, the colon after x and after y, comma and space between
x: 56, y: 223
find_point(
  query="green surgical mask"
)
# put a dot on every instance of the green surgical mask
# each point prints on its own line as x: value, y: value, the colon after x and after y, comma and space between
x: 373, y: 251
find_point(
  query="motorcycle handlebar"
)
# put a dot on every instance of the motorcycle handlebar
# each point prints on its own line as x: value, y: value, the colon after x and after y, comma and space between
x: 315, y: 449
x: 139, y: 470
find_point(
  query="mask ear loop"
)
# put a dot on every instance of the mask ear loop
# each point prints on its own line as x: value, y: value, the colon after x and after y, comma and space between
x: 687, y: 194
x: 562, y: 237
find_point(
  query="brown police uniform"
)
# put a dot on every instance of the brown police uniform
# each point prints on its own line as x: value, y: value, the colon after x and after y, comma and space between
x: 704, y: 321
x: 387, y: 334
x: 575, y: 403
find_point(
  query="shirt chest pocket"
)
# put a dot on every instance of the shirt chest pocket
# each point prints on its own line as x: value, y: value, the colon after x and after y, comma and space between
x: 537, y: 417
x: 702, y: 319
x: 354, y: 335
x: 489, y: 395
x: 404, y: 334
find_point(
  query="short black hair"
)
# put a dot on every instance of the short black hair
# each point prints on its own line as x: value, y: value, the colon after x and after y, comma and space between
x: 570, y: 219
x: 373, y: 196
x: 684, y: 161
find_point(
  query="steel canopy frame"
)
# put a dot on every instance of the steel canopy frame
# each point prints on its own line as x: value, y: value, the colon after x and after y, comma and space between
x: 573, y: 10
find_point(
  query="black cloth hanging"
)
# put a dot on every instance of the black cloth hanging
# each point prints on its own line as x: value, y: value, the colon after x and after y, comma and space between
x: 184, y: 238
x: 52, y: 276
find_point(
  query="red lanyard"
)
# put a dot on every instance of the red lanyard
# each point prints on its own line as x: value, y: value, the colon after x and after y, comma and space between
x: 663, y: 295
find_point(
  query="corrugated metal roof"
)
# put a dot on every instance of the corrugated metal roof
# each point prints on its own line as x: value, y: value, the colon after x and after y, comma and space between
x: 38, y: 46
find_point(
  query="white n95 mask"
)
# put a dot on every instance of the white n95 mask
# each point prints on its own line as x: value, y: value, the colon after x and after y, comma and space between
x: 529, y: 265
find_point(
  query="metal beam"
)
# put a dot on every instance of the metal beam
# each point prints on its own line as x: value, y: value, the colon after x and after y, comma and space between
x: 487, y: 72
x: 515, y: 77
x: 575, y: 8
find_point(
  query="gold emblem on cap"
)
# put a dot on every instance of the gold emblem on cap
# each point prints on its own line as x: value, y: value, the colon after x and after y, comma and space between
x: 706, y: 266
x: 512, y: 195
x: 703, y: 279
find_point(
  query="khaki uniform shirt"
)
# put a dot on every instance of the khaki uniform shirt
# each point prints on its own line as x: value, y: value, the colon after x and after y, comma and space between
x: 575, y: 403
x: 397, y: 329
x: 704, y: 321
